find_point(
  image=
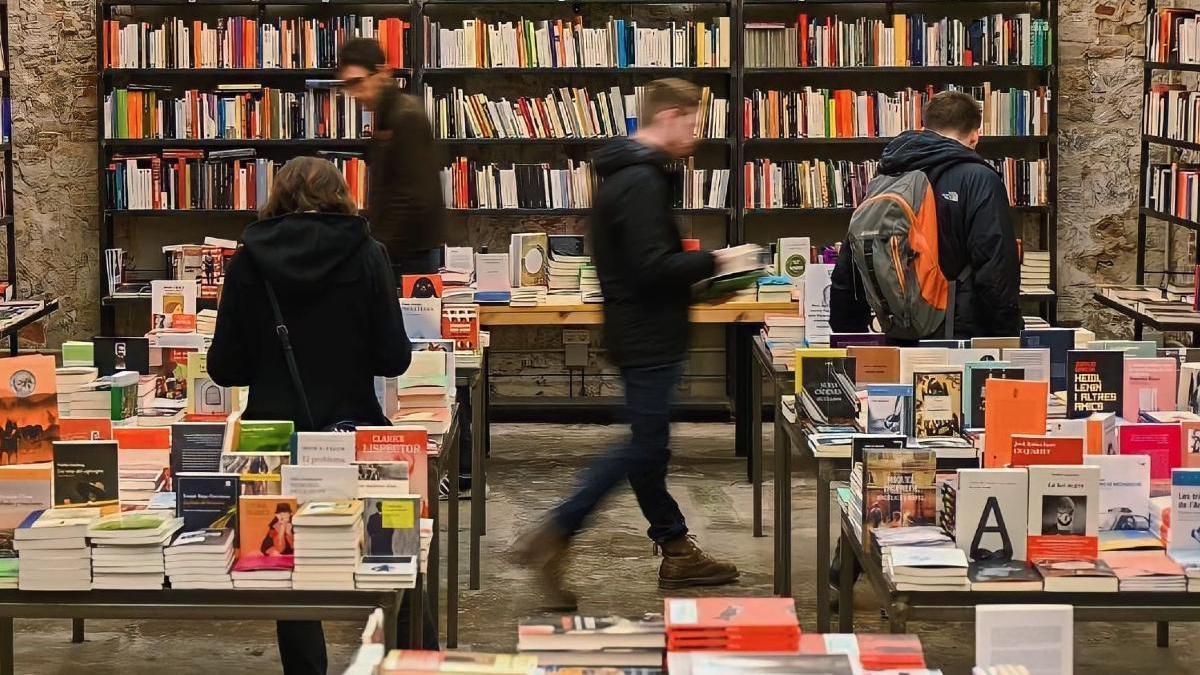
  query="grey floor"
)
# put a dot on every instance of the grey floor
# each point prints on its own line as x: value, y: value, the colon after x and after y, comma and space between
x: 613, y: 570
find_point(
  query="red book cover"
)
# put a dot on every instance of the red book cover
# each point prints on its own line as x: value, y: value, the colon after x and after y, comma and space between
x: 1159, y: 442
x: 880, y: 651
x: 265, y: 533
x: 1149, y: 385
x: 692, y: 614
x: 397, y: 444
x: 143, y: 438
x: 802, y: 29
x: 85, y: 429
x: 421, y: 285
x: 1029, y: 449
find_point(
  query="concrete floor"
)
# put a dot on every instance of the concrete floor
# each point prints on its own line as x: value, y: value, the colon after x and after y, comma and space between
x: 613, y: 570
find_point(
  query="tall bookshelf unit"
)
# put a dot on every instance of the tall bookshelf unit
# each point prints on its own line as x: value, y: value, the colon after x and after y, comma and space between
x: 733, y: 223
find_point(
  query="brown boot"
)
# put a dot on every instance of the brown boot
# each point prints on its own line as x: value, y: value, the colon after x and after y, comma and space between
x: 684, y: 564
x: 545, y: 548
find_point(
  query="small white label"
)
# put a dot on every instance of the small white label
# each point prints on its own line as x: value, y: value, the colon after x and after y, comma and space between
x: 683, y: 611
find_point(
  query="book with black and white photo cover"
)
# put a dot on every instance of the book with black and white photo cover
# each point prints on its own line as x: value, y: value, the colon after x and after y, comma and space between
x: 1095, y: 380
x: 937, y: 402
x: 115, y: 354
x: 825, y: 385
x: 889, y: 409
x: 991, y: 513
x: 85, y: 474
x: 1188, y: 396
x: 975, y: 376
x: 207, y: 500
x: 392, y: 526
x: 382, y: 479
x: 1063, y: 512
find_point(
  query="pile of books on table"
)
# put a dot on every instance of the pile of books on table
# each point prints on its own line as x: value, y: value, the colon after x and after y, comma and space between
x: 76, y: 395
x: 566, y: 260
x: 127, y: 549
x: 527, y: 296
x: 926, y: 568
x: 201, y: 559
x: 328, y: 544
x: 732, y: 624
x: 784, y: 334
x: 775, y: 289
x: 1145, y: 571
x: 1035, y: 273
x: 573, y: 640
x: 589, y: 285
x: 52, y: 544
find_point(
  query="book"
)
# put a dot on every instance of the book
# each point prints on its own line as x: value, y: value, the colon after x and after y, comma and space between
x: 875, y: 365
x: 1014, y: 407
x: 888, y: 409
x: 264, y: 436
x: 1004, y: 633
x: 1030, y: 449
x: 421, y: 286
x: 860, y: 443
x: 825, y: 385
x: 1063, y: 519
x: 792, y: 257
x: 266, y: 539
x: 207, y: 500
x: 1183, y: 529
x: 1188, y: 394
x: 196, y: 446
x: 1149, y: 385
x: 1145, y: 571
x: 913, y: 358
x: 1035, y: 361
x: 324, y: 448
x: 1059, y: 341
x: 115, y: 354
x: 817, y: 280
x: 1004, y: 575
x: 1159, y: 442
x: 1096, y: 381
x: 259, y: 473
x: 1090, y: 575
x: 991, y: 513
x: 422, y: 317
x: 899, y: 489
x: 397, y: 444
x: 1124, y: 491
x: 391, y: 527
x: 975, y: 375
x: 311, y: 483
x: 207, y: 398
x: 24, y: 488
x: 937, y: 402
x: 29, y: 405
x: 590, y: 634
x: 85, y: 474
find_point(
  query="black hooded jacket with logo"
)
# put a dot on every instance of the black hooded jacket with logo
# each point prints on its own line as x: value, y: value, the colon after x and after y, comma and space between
x: 645, y: 275
x: 974, y: 230
x: 338, y: 299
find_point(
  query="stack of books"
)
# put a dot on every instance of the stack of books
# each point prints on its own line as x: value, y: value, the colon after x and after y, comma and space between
x: 266, y: 542
x: 880, y: 652
x: 784, y: 334
x: 732, y: 624
x: 392, y: 543
x: 425, y: 392
x: 75, y: 397
x: 54, y: 551
x: 201, y: 559
x: 375, y: 572
x: 1035, y: 273
x: 573, y: 640
x: 566, y: 260
x: 206, y: 321
x: 328, y: 544
x: 775, y: 289
x: 1146, y: 571
x: 589, y: 285
x: 926, y: 568
x: 528, y: 296
x: 127, y: 549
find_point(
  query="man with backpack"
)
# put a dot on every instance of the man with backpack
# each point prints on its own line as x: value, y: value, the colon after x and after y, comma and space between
x: 931, y: 250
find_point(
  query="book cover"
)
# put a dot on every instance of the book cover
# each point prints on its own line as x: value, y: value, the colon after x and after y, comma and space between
x: 1124, y: 491
x: 196, y: 446
x: 1000, y: 343
x: 315, y: 483
x: 1014, y: 407
x: 492, y: 273
x: 1035, y: 361
x: 266, y: 540
x: 29, y: 408
x: 85, y: 473
x: 421, y: 286
x: 1030, y: 449
x: 1059, y: 341
x: 937, y: 403
x: 860, y: 443
x: 1063, y: 518
x: 791, y: 257
x: 260, y: 473
x: 817, y: 279
x: 899, y: 489
x: 142, y: 438
x: 207, y: 500
x: 264, y: 436
x: 1188, y: 394
x: 397, y: 444
x: 991, y: 513
x: 123, y: 395
x: 847, y: 340
x: 207, y: 397
x: 382, y: 479
x: 422, y: 318
x: 114, y: 354
x: 875, y: 365
x: 975, y: 375
x: 1095, y: 382
x: 391, y: 527
x: 23, y: 490
x: 963, y: 355
x: 1149, y: 385
x: 1189, y: 444
x: 324, y: 448
x: 461, y: 324
x: 825, y: 386
x: 1102, y: 434
x: 528, y: 253
x: 1004, y: 575
x: 85, y: 429
x: 1183, y: 528
x: 1159, y: 442
x: 173, y: 305
x: 888, y: 409
x: 928, y: 358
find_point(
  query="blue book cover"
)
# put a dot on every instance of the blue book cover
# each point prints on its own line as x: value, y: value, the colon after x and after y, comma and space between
x: 207, y: 500
x: 622, y: 55
x: 1059, y: 341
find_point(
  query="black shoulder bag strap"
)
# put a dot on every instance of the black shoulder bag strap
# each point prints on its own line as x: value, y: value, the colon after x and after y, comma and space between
x: 284, y: 341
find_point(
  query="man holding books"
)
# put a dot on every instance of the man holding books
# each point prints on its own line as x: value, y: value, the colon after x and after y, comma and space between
x: 646, y: 277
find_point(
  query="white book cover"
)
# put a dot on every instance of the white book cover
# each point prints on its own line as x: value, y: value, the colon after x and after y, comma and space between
x: 1035, y: 361
x: 172, y: 297
x: 1068, y: 428
x: 1124, y: 490
x: 1183, y: 535
x: 324, y: 448
x: 914, y: 358
x: 492, y: 272
x: 422, y: 318
x: 991, y: 513
x: 1039, y: 637
x: 927, y: 556
x: 816, y: 302
x: 961, y: 357
x: 791, y: 257
x: 1063, y: 512
x: 320, y: 483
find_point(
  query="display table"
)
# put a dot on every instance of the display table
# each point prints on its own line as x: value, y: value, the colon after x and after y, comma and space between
x: 959, y: 606
x: 199, y: 605
x: 782, y: 380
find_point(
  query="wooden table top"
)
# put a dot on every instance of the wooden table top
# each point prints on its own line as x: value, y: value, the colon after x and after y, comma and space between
x: 591, y: 314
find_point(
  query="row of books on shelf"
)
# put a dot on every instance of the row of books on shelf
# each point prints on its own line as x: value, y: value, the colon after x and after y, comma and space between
x: 470, y: 184
x: 616, y: 43
x: 233, y: 111
x: 1171, y: 111
x: 902, y: 40
x: 568, y: 112
x: 244, y: 42
x: 1172, y: 35
x: 691, y: 636
x: 1174, y: 189
x: 846, y: 113
x: 211, y: 180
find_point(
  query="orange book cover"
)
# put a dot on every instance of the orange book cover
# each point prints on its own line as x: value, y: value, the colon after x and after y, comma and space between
x: 1102, y: 434
x: 1013, y: 407
x: 1030, y: 449
x: 142, y: 438
x: 421, y: 285
x: 28, y: 409
x: 265, y: 532
x: 875, y: 365
x: 845, y: 112
x: 707, y: 614
x: 1134, y: 564
x: 397, y: 444
x: 85, y: 429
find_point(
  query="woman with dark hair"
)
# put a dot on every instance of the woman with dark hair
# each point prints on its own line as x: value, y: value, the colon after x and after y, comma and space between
x: 337, y: 297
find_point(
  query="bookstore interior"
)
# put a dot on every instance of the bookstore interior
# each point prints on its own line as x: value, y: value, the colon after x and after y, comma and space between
x: 1039, y: 488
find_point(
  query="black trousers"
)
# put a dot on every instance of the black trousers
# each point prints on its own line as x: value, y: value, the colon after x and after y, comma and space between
x: 302, y: 643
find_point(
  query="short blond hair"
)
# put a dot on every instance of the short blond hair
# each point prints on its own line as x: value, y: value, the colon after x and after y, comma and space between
x: 667, y: 93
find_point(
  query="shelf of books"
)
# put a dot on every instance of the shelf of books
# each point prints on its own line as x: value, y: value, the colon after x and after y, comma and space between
x: 1168, y: 177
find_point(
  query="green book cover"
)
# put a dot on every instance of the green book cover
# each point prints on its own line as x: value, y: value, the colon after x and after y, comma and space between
x: 76, y: 354
x: 264, y: 436
x: 123, y: 391
x: 122, y: 111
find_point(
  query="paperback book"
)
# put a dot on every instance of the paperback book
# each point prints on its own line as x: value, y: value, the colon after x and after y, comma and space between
x: 899, y: 489
x: 975, y: 376
x: 937, y: 403
x: 1096, y: 381
x: 825, y: 385
x: 266, y: 539
x: 991, y: 514
x: 1063, y: 504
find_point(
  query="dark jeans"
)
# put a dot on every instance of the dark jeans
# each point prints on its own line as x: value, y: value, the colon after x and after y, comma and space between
x: 302, y: 643
x: 642, y: 459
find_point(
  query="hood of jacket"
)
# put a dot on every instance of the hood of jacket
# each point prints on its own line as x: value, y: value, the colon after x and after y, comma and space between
x: 300, y: 250
x: 624, y: 152
x: 925, y: 151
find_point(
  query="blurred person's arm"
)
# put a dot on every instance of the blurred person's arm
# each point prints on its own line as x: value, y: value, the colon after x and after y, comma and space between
x: 391, y: 350
x: 232, y: 356
x: 654, y: 263
x: 848, y: 308
x: 992, y: 250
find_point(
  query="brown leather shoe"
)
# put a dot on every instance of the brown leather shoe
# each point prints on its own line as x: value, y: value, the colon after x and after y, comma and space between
x: 684, y: 564
x: 545, y: 549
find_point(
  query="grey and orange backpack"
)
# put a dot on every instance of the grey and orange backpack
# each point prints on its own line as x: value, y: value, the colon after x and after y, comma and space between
x: 893, y: 239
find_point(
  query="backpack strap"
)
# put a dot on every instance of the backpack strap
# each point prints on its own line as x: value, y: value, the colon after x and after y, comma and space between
x: 285, y: 341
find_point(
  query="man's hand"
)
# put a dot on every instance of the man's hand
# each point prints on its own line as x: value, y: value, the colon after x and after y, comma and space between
x: 736, y: 259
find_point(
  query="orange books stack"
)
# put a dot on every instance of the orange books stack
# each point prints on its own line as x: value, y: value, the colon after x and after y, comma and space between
x: 732, y: 624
